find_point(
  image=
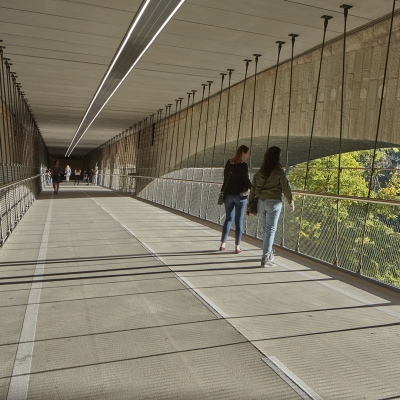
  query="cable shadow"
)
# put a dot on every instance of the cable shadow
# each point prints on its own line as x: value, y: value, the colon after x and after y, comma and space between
x: 360, y: 328
x: 113, y: 257
x: 202, y: 348
x: 166, y: 291
x: 261, y: 271
x: 119, y: 275
x: 214, y: 319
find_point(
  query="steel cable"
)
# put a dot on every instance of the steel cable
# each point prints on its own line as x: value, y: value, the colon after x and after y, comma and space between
x: 3, y: 112
x: 183, y: 143
x: 247, y: 61
x: 293, y: 40
x: 346, y: 9
x: 227, y: 111
x: 176, y: 152
x: 205, y: 144
x: 280, y: 44
x: 359, y: 268
x: 215, y: 141
x: 257, y: 56
x: 178, y: 101
x: 189, y: 146
x: 326, y: 20
x: 7, y: 141
x: 204, y: 85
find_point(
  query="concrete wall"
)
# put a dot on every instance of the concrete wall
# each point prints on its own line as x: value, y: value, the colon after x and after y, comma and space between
x: 365, y: 60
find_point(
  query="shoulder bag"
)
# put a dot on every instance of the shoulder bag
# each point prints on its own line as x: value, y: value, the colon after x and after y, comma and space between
x: 221, y: 197
x: 253, y: 206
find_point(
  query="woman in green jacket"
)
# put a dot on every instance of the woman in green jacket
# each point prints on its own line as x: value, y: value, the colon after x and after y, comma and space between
x: 269, y: 183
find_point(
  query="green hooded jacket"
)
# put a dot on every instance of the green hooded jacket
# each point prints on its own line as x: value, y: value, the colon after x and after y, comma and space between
x: 272, y: 188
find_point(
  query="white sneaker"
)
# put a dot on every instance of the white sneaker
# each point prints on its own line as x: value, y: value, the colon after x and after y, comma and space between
x: 268, y: 261
x: 272, y: 256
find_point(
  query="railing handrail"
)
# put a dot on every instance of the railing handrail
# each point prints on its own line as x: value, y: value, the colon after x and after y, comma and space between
x: 8, y: 185
x: 298, y: 192
x: 348, y: 198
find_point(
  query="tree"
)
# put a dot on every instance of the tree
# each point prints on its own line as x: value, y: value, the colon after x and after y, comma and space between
x: 318, y: 223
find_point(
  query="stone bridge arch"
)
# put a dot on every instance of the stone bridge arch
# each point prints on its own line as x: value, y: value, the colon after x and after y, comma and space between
x: 179, y: 138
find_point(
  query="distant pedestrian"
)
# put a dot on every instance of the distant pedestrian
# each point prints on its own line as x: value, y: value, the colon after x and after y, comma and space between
x: 95, y: 172
x: 67, y: 173
x: 77, y: 175
x: 236, y: 188
x: 48, y: 177
x: 88, y: 175
x: 58, y: 174
x: 268, y: 185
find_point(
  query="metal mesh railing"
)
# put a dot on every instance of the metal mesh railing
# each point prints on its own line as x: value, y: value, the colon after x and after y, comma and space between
x: 313, y: 235
x: 347, y: 205
x: 15, y: 200
x: 23, y: 153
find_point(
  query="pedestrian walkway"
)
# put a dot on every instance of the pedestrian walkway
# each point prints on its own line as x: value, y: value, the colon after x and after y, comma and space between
x: 103, y: 296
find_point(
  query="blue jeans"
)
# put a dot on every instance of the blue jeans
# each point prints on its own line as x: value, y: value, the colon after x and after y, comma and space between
x: 234, y: 204
x: 268, y: 213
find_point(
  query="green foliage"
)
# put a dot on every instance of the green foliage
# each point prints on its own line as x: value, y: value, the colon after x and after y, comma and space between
x: 318, y: 232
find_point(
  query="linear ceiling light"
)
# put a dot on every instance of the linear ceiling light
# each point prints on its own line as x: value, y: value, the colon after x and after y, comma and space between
x: 150, y: 20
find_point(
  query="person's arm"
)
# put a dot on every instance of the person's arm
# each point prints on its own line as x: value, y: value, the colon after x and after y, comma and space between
x: 287, y: 191
x: 246, y: 178
x: 252, y: 190
x: 225, y: 175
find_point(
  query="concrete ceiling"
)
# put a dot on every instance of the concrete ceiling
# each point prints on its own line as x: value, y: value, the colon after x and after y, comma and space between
x: 61, y: 49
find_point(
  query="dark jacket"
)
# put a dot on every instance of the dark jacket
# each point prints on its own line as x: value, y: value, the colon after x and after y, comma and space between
x: 272, y: 188
x: 239, y: 181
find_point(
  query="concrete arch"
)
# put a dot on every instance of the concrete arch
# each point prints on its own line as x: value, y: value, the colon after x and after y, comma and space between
x: 365, y: 60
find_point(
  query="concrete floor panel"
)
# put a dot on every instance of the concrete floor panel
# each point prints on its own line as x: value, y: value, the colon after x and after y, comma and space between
x: 114, y: 321
x: 4, y: 384
x: 11, y: 323
x: 232, y: 372
x: 132, y: 344
x: 109, y: 290
x: 8, y: 352
x: 364, y: 361
x: 124, y: 312
x: 11, y: 298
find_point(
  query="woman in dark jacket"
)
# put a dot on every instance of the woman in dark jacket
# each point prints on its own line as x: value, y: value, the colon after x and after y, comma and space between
x: 269, y: 185
x: 58, y: 174
x: 236, y: 187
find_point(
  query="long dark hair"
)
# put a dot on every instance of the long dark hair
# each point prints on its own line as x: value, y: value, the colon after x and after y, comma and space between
x: 272, y: 160
x: 238, y: 156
